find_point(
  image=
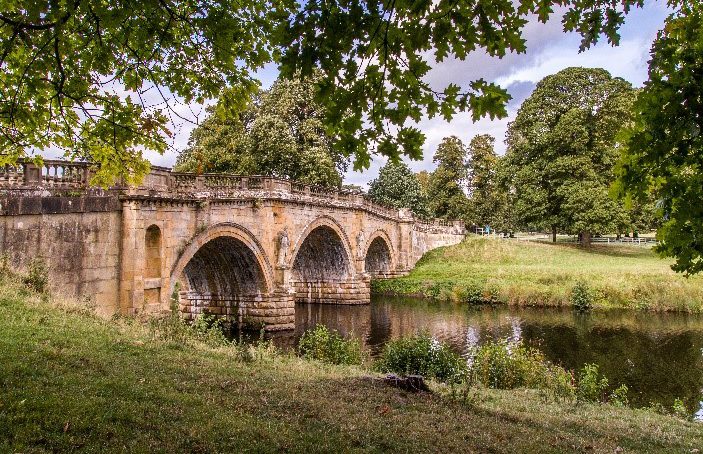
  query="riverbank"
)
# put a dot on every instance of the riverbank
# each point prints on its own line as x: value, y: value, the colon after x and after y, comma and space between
x: 544, y: 274
x: 70, y: 380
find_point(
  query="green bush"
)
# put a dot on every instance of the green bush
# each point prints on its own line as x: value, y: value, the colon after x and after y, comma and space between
x: 592, y: 386
x: 422, y: 355
x: 328, y: 346
x: 619, y: 396
x: 209, y: 329
x: 679, y: 409
x: 37, y: 277
x: 582, y: 296
x: 508, y: 365
x: 206, y: 329
x: 559, y: 384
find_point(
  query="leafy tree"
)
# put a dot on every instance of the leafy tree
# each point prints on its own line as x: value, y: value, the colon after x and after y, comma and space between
x: 504, y: 216
x: 65, y: 64
x: 279, y: 134
x: 482, y: 183
x: 81, y: 75
x: 665, y: 149
x: 397, y: 186
x: 562, y: 149
x: 445, y: 193
x: 423, y: 177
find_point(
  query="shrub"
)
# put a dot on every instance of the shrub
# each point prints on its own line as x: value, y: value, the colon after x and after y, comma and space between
x: 328, y: 346
x: 474, y: 294
x: 508, y: 365
x: 592, y: 385
x: 422, y: 355
x: 559, y: 384
x: 582, y: 296
x: 206, y: 329
x: 679, y: 409
x: 618, y: 396
x: 209, y: 329
x: 37, y: 277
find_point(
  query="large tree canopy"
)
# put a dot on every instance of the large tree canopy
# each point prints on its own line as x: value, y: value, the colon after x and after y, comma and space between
x: 280, y: 134
x: 665, y: 149
x: 82, y: 75
x: 562, y: 150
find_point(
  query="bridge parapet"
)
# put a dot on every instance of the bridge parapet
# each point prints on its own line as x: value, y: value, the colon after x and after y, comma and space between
x: 58, y: 176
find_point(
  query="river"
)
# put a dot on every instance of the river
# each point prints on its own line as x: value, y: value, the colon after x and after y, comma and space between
x: 658, y: 356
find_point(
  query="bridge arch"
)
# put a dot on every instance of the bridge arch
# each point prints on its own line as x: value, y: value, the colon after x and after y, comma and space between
x: 380, y: 256
x: 223, y: 271
x: 322, y: 264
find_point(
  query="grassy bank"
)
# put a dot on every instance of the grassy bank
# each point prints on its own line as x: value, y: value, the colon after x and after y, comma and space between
x: 544, y: 274
x: 71, y: 381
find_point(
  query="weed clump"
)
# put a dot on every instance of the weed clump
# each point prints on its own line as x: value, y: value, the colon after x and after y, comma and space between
x: 582, y: 296
x: 329, y: 346
x: 205, y: 329
x: 592, y: 386
x: 37, y: 277
x: 508, y: 365
x: 422, y: 355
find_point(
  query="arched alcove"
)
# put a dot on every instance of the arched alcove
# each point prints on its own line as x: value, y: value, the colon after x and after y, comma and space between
x: 152, y: 252
x: 152, y: 268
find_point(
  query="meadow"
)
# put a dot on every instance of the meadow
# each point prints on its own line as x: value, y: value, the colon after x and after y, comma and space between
x: 488, y: 270
x: 70, y: 380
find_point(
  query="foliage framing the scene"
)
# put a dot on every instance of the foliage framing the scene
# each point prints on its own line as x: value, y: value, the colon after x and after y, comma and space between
x: 94, y: 78
x: 665, y: 148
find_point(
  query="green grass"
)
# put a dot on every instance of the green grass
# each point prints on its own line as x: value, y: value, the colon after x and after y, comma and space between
x: 71, y: 381
x: 544, y: 274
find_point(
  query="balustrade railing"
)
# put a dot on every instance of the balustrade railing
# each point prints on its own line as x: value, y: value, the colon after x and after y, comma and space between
x: 64, y: 174
x: 12, y: 175
x: 50, y: 174
x: 222, y: 182
x: 76, y: 175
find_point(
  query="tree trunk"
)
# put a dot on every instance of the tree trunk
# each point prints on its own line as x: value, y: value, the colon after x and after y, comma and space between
x: 554, y: 234
x: 586, y: 239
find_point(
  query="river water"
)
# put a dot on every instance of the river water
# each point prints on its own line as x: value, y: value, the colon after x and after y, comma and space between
x: 658, y: 356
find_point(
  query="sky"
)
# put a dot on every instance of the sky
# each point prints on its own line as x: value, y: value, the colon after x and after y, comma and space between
x: 549, y: 50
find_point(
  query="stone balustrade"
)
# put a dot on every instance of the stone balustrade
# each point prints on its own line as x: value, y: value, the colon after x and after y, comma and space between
x: 50, y: 174
x: 58, y: 175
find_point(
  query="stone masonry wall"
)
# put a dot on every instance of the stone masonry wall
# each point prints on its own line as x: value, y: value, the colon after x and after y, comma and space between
x: 333, y: 292
x: 80, y: 247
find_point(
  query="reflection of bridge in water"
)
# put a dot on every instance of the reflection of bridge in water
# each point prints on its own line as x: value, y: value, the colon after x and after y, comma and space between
x: 242, y: 248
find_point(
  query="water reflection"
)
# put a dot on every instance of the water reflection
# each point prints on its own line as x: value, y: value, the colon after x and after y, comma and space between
x: 658, y: 356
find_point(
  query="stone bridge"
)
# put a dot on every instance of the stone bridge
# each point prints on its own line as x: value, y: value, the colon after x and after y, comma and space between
x: 242, y: 247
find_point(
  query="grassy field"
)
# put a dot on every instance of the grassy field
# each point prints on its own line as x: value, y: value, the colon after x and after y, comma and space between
x: 71, y: 381
x: 544, y: 274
